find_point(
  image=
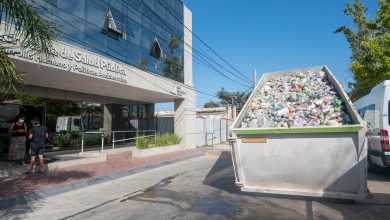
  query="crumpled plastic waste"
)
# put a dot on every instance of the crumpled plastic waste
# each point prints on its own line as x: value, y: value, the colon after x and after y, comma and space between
x: 301, y: 99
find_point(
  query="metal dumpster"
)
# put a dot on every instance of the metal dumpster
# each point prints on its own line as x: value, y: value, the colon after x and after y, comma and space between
x: 322, y: 161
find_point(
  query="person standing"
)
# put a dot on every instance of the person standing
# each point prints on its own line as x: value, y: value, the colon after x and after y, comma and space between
x: 37, y: 136
x: 17, y: 148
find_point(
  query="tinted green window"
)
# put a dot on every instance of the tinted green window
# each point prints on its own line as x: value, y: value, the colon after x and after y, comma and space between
x: 140, y: 22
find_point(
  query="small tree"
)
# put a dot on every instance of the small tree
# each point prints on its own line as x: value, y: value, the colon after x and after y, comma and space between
x: 211, y: 104
x: 370, y: 46
x: 228, y: 98
x: 238, y: 98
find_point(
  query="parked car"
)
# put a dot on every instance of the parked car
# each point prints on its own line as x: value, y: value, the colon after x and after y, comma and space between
x: 374, y: 109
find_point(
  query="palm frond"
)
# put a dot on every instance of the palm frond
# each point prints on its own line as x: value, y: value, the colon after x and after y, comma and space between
x: 22, y: 19
x: 8, y: 75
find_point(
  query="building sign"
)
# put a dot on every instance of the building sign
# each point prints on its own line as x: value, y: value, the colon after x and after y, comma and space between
x: 66, y: 58
x: 177, y: 90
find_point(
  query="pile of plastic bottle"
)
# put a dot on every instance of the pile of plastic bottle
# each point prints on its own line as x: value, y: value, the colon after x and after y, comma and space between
x: 297, y: 100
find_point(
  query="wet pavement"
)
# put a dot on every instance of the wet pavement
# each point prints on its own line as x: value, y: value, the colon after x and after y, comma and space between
x: 200, y: 188
x: 20, y: 184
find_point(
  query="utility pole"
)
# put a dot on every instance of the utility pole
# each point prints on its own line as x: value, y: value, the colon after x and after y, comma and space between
x: 254, y: 79
x: 233, y: 107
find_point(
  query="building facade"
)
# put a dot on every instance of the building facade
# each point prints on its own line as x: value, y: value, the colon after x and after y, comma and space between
x: 127, y: 30
x: 126, y: 55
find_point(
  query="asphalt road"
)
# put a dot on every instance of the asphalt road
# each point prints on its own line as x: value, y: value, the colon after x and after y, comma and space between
x: 200, y: 188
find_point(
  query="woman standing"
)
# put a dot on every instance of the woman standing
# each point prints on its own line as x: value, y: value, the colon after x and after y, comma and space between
x: 17, y: 148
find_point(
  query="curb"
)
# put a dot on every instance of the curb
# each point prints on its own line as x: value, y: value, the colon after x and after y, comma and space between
x: 76, y: 162
x: 156, y: 151
x: 40, y: 194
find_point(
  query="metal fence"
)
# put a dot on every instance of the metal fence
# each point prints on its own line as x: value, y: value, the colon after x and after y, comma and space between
x: 212, y: 131
x: 116, y: 137
x: 209, y: 131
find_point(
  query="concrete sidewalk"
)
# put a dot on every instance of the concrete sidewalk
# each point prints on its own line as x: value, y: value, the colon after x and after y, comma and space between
x: 84, y: 171
x: 58, y: 160
x: 53, y: 162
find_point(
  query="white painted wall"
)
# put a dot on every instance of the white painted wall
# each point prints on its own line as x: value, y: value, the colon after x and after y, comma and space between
x: 185, y: 108
x: 185, y: 119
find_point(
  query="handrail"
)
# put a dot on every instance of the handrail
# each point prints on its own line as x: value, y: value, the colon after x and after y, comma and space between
x: 127, y: 139
x: 113, y: 137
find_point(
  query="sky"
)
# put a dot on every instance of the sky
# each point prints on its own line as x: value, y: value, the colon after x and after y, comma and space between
x: 268, y: 36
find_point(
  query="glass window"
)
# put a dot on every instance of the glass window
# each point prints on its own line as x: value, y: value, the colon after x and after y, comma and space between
x: 113, y: 24
x: 133, y: 53
x: 160, y: 11
x: 73, y: 7
x: 71, y: 31
x: 142, y: 111
x: 133, y: 5
x: 147, y: 23
x: 117, y: 5
x: 179, y: 9
x: 368, y: 114
x: 133, y: 30
x: 150, y: 110
x: 77, y: 122
x: 135, y: 22
x: 147, y: 13
x: 116, y: 49
x: 388, y: 112
x: 147, y: 38
x: 147, y: 61
x: 134, y: 111
x: 149, y: 4
x: 95, y: 41
x: 170, y: 19
x: 118, y: 19
x: 95, y: 12
x: 134, y: 11
x: 155, y: 49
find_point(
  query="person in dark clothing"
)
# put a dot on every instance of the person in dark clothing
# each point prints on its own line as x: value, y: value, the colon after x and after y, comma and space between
x: 37, y: 135
x: 17, y: 131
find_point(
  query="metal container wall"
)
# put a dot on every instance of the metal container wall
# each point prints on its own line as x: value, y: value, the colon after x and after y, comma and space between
x: 311, y: 161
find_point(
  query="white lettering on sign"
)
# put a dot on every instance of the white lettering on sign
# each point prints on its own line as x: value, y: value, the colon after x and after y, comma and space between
x: 67, y: 58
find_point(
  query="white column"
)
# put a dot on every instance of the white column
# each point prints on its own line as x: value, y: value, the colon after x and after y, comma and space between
x: 185, y: 119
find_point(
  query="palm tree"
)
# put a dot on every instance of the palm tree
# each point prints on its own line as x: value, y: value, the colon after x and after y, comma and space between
x: 20, y: 18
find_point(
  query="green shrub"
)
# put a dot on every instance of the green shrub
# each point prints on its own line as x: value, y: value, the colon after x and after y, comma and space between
x: 157, y: 141
x: 61, y: 140
x: 143, y: 142
x: 167, y: 139
x: 92, y: 141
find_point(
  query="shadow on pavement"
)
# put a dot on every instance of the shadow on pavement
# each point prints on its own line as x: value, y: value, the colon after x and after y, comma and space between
x: 382, y: 175
x: 221, y: 175
x: 376, y: 208
x: 17, y: 185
